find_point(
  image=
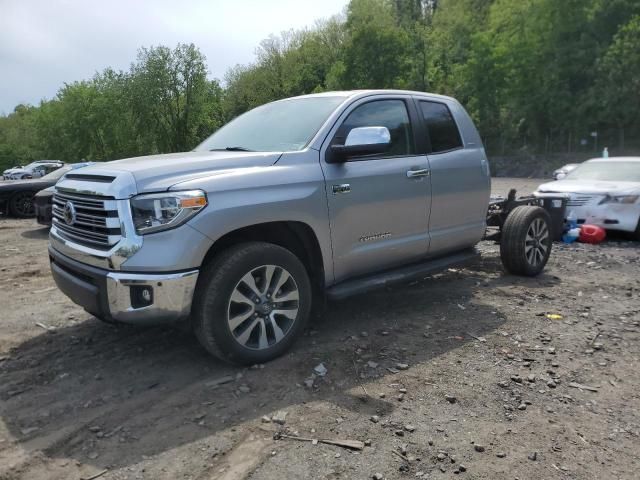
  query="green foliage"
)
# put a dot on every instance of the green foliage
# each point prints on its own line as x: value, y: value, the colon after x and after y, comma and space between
x: 376, y: 50
x: 294, y: 63
x: 164, y: 103
x: 536, y: 75
x: 618, y: 82
x: 171, y: 98
x: 18, y: 139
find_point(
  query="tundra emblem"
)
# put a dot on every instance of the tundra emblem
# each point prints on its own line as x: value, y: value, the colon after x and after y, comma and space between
x: 69, y: 213
x: 375, y: 236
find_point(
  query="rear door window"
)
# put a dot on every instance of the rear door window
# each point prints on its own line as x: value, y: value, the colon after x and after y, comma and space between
x: 441, y: 127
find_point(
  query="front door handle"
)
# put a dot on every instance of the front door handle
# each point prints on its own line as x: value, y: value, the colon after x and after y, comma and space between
x: 342, y: 188
x: 424, y: 172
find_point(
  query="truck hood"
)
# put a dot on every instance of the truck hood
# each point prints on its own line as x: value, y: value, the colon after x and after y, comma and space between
x: 590, y: 187
x: 155, y: 173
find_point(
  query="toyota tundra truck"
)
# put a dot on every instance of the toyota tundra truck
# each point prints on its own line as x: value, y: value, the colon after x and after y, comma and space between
x: 296, y: 201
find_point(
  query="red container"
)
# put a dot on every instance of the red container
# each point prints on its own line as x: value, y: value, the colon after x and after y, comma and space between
x: 591, y: 234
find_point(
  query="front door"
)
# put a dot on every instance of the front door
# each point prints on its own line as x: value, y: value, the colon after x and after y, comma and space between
x: 378, y: 204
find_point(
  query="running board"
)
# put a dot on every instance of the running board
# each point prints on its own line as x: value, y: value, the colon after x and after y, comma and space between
x: 398, y: 275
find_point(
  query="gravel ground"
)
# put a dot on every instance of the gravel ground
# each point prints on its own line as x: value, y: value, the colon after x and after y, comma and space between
x: 470, y: 373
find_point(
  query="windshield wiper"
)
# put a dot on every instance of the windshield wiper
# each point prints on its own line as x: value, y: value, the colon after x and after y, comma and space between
x: 231, y: 149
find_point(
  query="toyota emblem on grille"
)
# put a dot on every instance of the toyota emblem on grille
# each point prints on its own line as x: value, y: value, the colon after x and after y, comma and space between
x: 69, y: 213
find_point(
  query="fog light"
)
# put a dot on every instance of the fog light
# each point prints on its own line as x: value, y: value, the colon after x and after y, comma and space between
x: 141, y: 296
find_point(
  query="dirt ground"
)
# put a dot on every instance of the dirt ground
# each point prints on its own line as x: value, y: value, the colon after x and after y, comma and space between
x: 460, y: 375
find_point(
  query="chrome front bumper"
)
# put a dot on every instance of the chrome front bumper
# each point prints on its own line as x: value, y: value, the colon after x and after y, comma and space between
x: 172, y: 295
x: 114, y: 295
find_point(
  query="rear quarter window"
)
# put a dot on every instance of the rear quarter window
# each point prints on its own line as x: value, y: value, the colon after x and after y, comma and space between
x: 441, y: 127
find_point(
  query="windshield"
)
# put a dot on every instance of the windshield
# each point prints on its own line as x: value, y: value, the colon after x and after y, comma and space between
x: 56, y: 174
x: 611, y: 171
x: 283, y: 126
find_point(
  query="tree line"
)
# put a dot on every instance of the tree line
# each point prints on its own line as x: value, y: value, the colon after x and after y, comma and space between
x: 537, y: 76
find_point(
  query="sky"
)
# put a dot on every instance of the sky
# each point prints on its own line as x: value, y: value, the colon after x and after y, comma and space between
x: 45, y: 43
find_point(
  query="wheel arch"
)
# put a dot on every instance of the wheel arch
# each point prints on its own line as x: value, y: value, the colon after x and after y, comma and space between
x: 297, y: 237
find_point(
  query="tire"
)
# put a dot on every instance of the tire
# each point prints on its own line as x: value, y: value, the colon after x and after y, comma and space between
x: 525, y: 243
x: 636, y: 234
x: 21, y: 204
x: 236, y: 314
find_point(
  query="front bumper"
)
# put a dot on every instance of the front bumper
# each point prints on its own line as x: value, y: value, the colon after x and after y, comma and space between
x: 610, y: 217
x: 116, y: 296
x: 42, y: 205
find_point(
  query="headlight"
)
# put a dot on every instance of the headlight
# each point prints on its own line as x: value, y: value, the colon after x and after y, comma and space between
x: 625, y: 199
x: 161, y: 211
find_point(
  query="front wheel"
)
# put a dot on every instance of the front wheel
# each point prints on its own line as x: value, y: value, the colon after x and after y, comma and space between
x: 252, y: 302
x: 525, y: 243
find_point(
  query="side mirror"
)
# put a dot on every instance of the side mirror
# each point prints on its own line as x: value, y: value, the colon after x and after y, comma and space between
x: 361, y: 141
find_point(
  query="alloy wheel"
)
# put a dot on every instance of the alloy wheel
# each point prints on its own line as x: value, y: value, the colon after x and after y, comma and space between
x: 536, y: 242
x: 263, y: 307
x: 23, y: 204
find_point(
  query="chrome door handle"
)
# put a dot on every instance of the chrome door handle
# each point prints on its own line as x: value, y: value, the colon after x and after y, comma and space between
x: 425, y: 172
x: 342, y: 188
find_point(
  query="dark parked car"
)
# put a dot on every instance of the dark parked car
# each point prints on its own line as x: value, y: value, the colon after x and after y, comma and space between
x: 17, y: 197
x: 43, y: 204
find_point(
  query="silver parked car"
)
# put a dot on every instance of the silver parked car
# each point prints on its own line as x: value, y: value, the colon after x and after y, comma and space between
x: 333, y: 193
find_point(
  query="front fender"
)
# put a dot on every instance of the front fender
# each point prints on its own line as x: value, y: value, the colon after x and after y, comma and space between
x: 292, y: 190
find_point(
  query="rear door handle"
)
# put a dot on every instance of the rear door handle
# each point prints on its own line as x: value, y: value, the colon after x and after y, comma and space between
x: 424, y: 172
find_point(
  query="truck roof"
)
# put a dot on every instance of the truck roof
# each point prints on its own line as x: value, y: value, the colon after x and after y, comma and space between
x: 365, y: 93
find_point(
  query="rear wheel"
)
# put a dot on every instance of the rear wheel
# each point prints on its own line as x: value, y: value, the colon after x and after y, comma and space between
x: 252, y: 302
x: 636, y: 234
x: 525, y: 243
x: 21, y: 205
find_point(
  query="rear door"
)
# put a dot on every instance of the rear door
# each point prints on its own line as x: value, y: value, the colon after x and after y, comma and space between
x: 460, y: 180
x: 378, y: 204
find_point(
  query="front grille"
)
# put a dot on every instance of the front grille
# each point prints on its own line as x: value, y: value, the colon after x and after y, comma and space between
x: 96, y: 223
x: 579, y: 200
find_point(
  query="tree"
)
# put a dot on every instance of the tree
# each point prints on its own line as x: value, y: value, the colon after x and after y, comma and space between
x: 169, y: 91
x: 293, y: 63
x: 535, y: 75
x: 416, y: 17
x: 618, y: 85
x: 377, y: 49
x: 19, y: 142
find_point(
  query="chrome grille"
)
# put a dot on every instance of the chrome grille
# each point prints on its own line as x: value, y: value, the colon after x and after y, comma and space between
x: 96, y: 222
x: 579, y: 200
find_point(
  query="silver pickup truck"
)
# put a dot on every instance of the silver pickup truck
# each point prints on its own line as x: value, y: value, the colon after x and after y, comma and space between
x: 317, y: 196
